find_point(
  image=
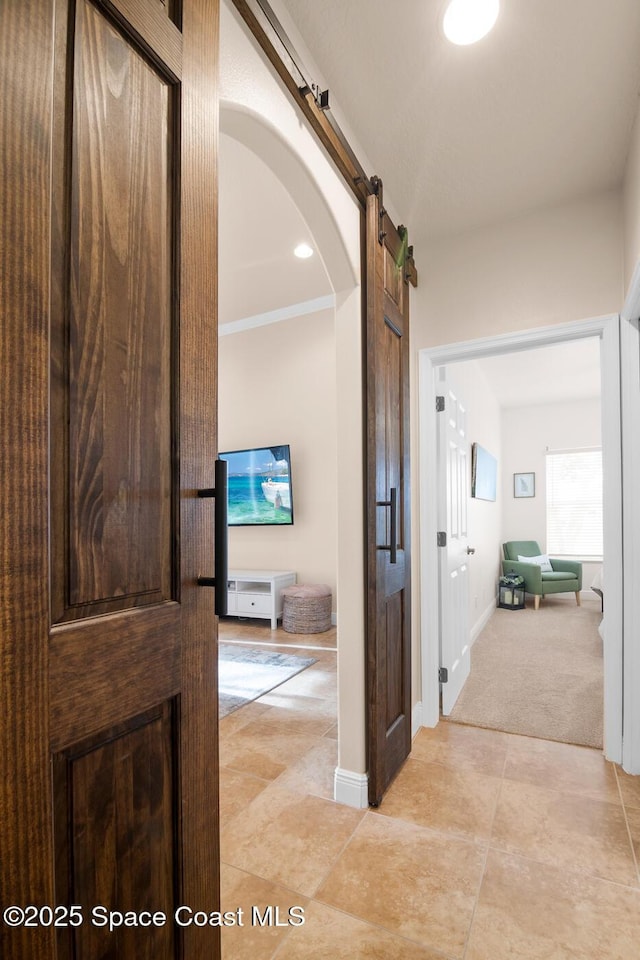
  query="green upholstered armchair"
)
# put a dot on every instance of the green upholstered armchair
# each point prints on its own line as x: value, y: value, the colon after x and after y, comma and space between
x: 565, y: 577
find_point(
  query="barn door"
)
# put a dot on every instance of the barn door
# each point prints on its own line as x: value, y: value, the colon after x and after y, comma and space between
x: 108, y: 794
x: 388, y: 516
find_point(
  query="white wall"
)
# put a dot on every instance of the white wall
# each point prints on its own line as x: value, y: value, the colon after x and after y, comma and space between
x: 527, y: 432
x: 256, y: 109
x: 277, y: 384
x: 553, y: 266
x: 631, y: 205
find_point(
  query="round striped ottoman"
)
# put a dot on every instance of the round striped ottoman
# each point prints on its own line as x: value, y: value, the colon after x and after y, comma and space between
x: 306, y: 608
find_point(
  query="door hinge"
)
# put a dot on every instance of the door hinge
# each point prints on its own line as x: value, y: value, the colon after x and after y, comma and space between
x: 442, y: 538
x: 439, y: 404
x: 443, y: 675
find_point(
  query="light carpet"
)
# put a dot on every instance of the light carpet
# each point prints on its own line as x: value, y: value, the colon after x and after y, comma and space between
x: 246, y: 673
x: 538, y: 673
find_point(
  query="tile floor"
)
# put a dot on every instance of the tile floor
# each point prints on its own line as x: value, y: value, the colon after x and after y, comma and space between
x: 487, y: 846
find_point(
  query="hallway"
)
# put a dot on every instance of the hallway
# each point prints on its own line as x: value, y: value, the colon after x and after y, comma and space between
x: 487, y: 845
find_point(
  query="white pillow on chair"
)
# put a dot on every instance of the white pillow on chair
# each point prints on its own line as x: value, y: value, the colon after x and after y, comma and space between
x: 542, y: 561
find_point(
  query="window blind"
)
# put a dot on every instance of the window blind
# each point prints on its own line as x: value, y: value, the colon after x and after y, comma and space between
x: 574, y: 503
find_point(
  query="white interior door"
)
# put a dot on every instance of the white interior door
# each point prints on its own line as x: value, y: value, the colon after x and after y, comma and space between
x: 454, y: 471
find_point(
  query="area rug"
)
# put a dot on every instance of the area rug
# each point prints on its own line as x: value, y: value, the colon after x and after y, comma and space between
x: 245, y: 673
x: 538, y: 673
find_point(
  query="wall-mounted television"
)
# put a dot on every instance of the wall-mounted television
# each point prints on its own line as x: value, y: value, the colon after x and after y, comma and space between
x: 259, y: 486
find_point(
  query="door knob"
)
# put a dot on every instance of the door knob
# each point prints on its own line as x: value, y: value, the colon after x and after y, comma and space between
x: 471, y: 549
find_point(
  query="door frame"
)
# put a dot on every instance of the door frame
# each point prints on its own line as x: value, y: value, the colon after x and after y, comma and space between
x: 630, y: 442
x: 607, y: 329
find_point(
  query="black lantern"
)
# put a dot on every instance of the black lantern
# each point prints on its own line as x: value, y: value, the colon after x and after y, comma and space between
x: 511, y: 592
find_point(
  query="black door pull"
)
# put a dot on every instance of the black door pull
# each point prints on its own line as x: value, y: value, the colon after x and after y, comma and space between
x: 220, y: 542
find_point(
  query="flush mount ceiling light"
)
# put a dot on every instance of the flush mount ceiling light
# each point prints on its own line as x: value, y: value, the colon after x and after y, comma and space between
x: 303, y: 250
x: 466, y: 21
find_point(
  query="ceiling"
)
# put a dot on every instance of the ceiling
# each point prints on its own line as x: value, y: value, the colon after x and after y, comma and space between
x: 259, y: 227
x: 538, y: 112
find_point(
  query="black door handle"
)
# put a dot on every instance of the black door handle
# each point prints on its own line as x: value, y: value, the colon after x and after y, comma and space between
x: 392, y: 502
x: 220, y: 542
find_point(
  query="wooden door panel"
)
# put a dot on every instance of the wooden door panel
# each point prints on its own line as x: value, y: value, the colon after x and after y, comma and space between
x: 25, y: 797
x: 394, y: 282
x: 388, y: 540
x: 114, y: 332
x: 392, y: 414
x: 395, y: 704
x: 117, y: 792
x: 108, y: 684
x: 99, y: 674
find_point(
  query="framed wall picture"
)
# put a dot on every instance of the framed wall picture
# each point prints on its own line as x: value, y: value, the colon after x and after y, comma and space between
x: 484, y: 473
x: 524, y: 484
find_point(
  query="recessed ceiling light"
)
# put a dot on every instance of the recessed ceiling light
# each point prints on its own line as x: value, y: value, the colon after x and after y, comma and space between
x: 467, y: 21
x: 304, y: 251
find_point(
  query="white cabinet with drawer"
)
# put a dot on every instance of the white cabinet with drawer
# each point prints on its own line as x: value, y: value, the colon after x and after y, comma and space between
x: 257, y: 593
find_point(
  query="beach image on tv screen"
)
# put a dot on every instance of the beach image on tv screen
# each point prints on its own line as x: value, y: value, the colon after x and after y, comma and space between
x: 259, y: 485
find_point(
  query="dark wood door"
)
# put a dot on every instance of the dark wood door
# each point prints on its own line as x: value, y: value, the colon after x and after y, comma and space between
x: 108, y: 721
x: 388, y: 503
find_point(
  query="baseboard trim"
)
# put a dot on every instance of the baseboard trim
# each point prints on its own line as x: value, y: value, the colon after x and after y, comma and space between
x: 416, y: 718
x: 480, y: 624
x: 351, y: 789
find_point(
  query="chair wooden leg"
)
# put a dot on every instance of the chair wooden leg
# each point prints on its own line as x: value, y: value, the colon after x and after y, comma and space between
x: 578, y: 597
x: 536, y: 602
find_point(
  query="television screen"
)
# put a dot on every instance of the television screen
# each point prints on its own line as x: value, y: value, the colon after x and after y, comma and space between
x: 259, y: 486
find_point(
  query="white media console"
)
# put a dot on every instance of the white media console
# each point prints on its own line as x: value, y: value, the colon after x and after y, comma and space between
x: 256, y: 593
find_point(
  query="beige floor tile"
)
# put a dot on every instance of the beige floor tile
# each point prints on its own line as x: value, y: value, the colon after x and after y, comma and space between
x: 251, y: 941
x: 237, y: 791
x: 409, y: 868
x: 297, y: 714
x: 241, y: 717
x: 328, y: 638
x: 452, y: 801
x: 533, y: 911
x: 412, y: 881
x: 328, y: 934
x: 561, y: 766
x: 462, y: 747
x: 314, y: 772
x: 633, y: 819
x: 332, y: 732
x: 629, y: 788
x: 263, y: 752
x: 318, y: 680
x: 289, y: 838
x: 259, y: 631
x: 577, y: 833
x: 234, y: 628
